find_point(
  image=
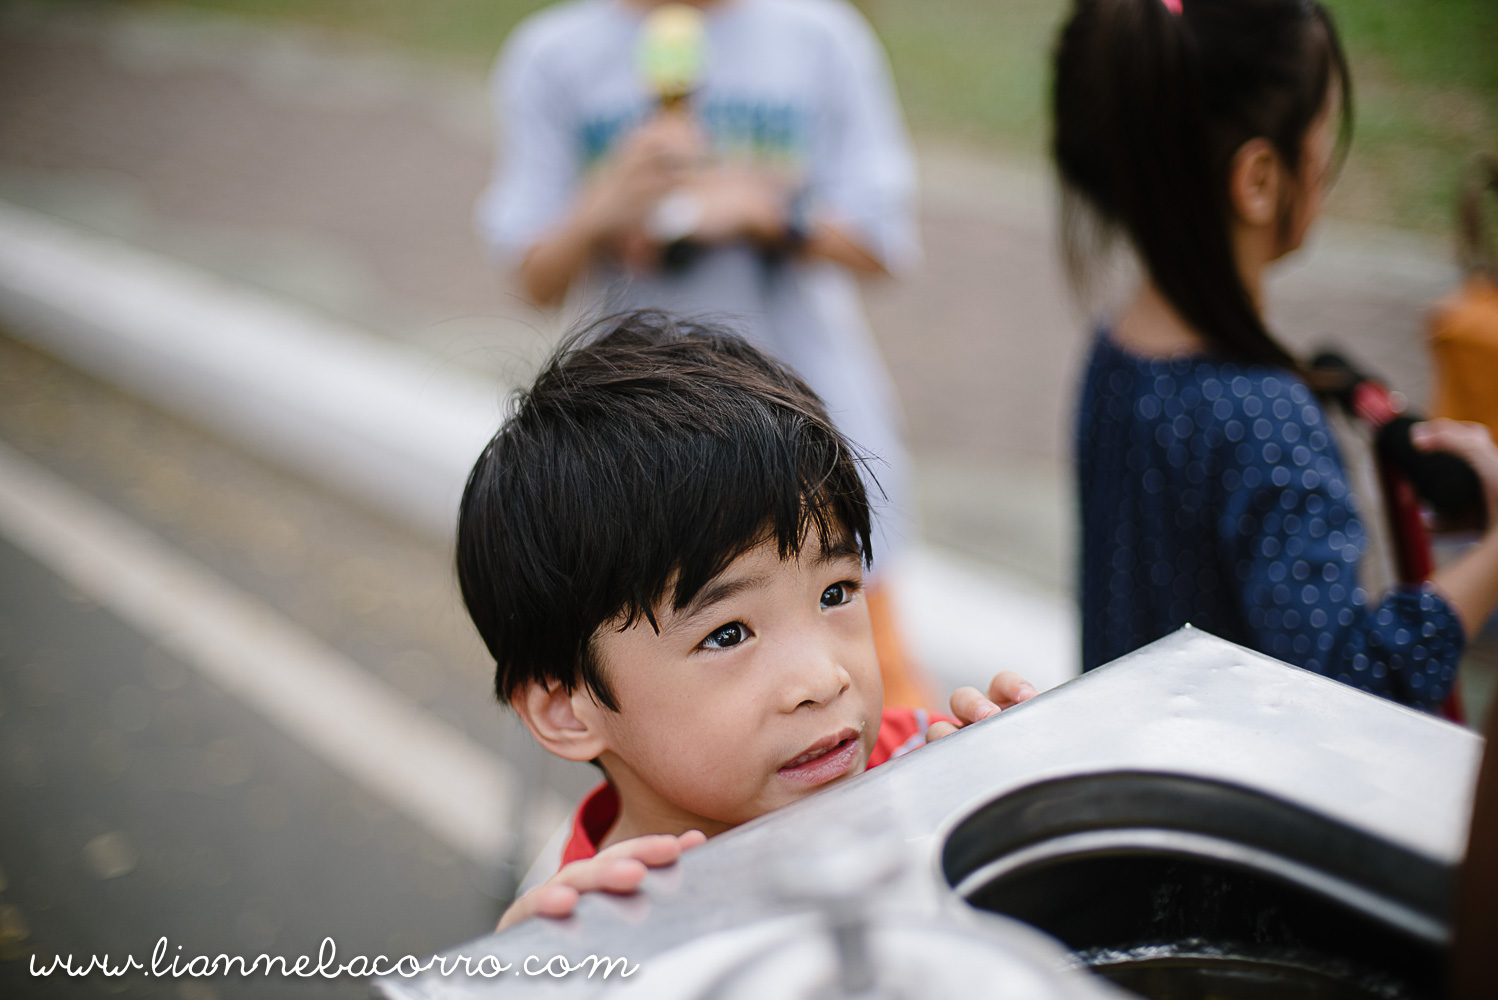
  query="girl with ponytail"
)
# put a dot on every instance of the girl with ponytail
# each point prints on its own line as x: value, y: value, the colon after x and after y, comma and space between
x: 1204, y: 132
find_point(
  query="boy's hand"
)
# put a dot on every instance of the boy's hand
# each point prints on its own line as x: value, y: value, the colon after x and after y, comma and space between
x: 1006, y: 690
x: 618, y: 869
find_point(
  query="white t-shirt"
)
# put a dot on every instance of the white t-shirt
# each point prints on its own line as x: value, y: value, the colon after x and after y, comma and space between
x: 800, y: 84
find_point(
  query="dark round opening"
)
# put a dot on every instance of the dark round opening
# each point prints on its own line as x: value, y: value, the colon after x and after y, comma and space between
x: 1180, y: 889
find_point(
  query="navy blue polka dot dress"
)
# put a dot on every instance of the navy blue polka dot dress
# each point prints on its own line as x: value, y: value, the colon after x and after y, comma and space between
x: 1212, y: 493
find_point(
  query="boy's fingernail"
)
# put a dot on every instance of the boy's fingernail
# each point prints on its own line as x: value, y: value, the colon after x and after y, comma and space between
x: 1028, y: 690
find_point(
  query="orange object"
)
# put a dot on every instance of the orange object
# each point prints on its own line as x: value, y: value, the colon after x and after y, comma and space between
x: 1464, y: 339
x: 1464, y: 326
x: 905, y: 686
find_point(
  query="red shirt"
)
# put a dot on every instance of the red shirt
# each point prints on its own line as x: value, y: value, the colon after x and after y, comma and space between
x: 901, y: 730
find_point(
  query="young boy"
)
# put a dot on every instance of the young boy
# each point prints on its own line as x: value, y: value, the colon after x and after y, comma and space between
x: 663, y: 548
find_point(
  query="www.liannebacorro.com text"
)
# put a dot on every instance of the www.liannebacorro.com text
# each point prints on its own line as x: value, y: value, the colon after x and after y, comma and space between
x: 164, y: 964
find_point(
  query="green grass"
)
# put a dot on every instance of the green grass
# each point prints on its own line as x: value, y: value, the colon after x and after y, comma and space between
x: 1425, y: 75
x: 975, y: 69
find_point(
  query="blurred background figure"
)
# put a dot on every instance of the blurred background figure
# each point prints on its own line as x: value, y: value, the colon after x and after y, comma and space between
x: 736, y: 159
x: 244, y: 317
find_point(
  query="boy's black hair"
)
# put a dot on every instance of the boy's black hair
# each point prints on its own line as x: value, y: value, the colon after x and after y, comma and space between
x: 650, y: 453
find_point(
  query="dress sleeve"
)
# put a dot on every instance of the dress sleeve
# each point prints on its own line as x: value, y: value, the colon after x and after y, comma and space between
x: 1293, y: 538
x: 863, y: 170
x: 537, y: 164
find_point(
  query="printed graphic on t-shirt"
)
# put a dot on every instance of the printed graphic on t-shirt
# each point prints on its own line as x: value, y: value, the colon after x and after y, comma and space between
x: 738, y: 128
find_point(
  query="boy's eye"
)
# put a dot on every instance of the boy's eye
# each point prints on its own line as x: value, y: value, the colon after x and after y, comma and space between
x: 838, y: 593
x: 728, y: 635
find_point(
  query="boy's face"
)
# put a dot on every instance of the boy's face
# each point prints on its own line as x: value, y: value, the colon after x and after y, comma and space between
x: 762, y: 690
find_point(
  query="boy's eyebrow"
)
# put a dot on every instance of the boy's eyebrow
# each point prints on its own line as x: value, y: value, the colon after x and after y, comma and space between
x: 715, y: 592
x: 846, y: 547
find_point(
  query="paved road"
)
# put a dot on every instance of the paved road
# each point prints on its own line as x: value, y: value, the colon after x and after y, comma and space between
x: 154, y: 805
x: 155, y: 802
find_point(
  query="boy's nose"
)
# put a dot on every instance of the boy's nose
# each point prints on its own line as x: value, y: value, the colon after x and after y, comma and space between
x: 817, y: 677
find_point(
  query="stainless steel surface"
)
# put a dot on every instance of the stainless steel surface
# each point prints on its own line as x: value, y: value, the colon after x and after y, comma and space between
x: 1191, y: 719
x: 954, y: 953
x: 841, y: 881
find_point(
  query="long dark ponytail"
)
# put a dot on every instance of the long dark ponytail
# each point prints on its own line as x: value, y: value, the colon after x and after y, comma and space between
x: 1151, y: 101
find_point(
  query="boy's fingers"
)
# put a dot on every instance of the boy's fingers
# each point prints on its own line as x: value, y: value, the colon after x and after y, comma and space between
x: 655, y: 850
x: 620, y: 868
x: 521, y: 909
x: 1008, y: 689
x: 550, y: 899
x: 969, y: 705
x: 556, y: 901
x: 621, y: 875
x: 939, y: 729
x: 614, y: 874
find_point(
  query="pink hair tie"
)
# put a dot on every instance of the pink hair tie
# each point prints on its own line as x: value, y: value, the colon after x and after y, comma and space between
x: 1174, y: 6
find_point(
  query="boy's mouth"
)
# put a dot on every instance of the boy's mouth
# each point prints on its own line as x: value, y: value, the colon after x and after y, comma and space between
x: 823, y: 760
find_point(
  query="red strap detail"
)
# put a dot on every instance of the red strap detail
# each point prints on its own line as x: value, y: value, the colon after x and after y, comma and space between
x: 1373, y: 403
x: 1411, y: 540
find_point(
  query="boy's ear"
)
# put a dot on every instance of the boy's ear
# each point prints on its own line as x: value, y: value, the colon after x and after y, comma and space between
x: 548, y: 712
